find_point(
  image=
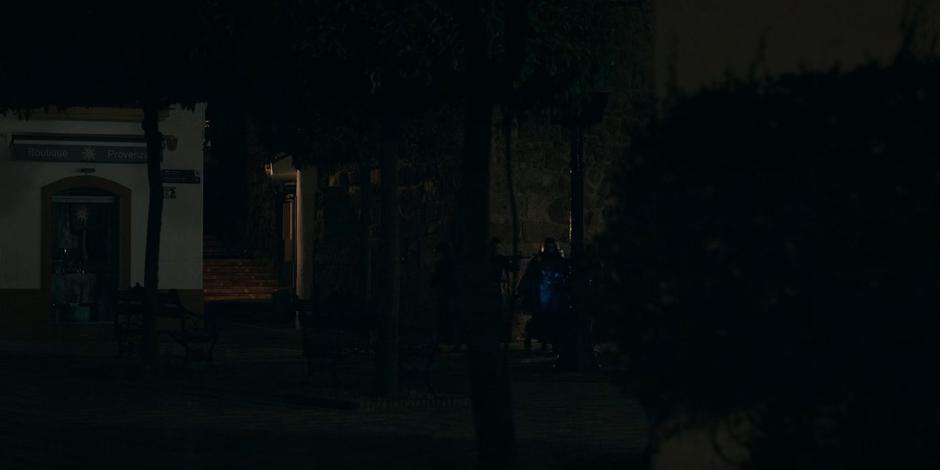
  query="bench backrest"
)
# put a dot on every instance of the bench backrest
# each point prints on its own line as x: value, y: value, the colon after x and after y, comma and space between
x: 129, y: 303
x: 171, y: 305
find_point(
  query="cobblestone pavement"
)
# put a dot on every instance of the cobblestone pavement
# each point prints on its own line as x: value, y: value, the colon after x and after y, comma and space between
x: 75, y: 406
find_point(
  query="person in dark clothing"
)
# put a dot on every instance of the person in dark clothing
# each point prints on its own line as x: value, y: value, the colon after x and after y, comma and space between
x: 449, y: 328
x: 542, y: 290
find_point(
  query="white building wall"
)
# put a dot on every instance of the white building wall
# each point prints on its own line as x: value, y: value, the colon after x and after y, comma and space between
x: 21, y: 184
x: 181, y: 238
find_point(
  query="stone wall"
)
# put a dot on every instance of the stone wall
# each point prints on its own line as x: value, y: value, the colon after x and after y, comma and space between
x: 262, y: 237
x: 427, y: 189
x: 540, y: 151
x: 332, y: 239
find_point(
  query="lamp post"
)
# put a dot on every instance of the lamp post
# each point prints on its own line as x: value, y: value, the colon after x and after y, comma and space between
x: 577, y: 351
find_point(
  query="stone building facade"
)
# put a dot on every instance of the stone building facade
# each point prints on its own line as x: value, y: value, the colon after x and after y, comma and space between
x: 540, y: 151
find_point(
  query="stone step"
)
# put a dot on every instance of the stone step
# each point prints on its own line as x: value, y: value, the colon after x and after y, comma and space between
x: 223, y: 283
x: 239, y: 278
x: 237, y: 269
x: 240, y: 290
x: 207, y: 264
x: 238, y: 275
x: 236, y: 262
x: 221, y: 252
x: 236, y: 298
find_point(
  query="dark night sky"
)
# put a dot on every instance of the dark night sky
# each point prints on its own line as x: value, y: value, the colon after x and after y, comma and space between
x: 705, y: 39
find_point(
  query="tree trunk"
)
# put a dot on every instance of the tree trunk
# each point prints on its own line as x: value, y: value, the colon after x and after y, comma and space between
x: 489, y: 374
x: 387, y: 351
x: 491, y: 396
x: 576, y: 352
x: 149, y: 348
x: 513, y: 208
x: 576, y: 220
x: 365, y: 232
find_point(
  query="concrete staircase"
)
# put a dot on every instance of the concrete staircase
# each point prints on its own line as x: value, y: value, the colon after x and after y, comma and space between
x: 228, y: 278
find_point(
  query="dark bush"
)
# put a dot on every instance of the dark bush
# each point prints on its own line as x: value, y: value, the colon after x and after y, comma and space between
x: 777, y: 252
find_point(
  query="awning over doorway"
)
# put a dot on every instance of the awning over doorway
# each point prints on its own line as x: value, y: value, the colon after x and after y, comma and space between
x: 281, y: 168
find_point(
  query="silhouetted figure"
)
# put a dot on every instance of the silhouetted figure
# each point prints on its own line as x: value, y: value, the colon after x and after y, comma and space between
x: 542, y: 289
x: 449, y: 327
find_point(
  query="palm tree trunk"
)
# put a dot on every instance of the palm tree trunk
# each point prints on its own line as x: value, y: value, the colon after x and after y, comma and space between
x: 513, y: 207
x: 365, y: 232
x: 491, y: 397
x: 154, y: 139
x: 387, y: 350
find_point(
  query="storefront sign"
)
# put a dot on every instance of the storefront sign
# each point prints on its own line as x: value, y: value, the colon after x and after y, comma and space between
x: 80, y: 148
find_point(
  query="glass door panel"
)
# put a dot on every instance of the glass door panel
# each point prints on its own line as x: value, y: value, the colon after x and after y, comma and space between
x: 85, y: 256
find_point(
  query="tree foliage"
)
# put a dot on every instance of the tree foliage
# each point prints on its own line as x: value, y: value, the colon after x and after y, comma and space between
x: 340, y: 71
x: 102, y: 53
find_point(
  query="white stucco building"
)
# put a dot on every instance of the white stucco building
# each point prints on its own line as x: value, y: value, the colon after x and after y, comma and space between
x: 73, y: 215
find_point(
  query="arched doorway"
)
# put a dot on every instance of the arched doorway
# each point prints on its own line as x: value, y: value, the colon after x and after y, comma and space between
x: 86, y: 247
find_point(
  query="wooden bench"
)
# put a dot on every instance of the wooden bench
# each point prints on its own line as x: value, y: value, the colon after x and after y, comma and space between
x: 129, y: 320
x: 337, y: 332
x: 196, y: 334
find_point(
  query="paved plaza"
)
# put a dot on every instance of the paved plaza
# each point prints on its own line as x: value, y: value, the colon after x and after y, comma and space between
x: 74, y: 405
